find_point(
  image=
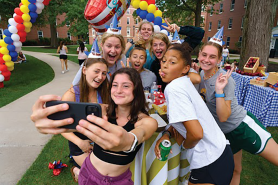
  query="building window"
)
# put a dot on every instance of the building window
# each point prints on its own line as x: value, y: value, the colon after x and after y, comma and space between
x: 240, y: 40
x: 242, y: 22
x: 136, y: 30
x: 136, y: 20
x: 219, y: 24
x: 221, y: 8
x: 68, y: 24
x: 228, y: 41
x: 127, y: 20
x: 128, y: 11
x: 232, y: 5
x: 128, y: 31
x: 56, y: 22
x: 93, y: 32
x: 40, y: 34
x: 57, y: 34
x: 210, y: 23
x: 203, y: 20
x: 211, y: 11
x: 245, y: 3
x: 69, y: 36
x: 208, y: 38
x: 1, y: 33
x: 230, y: 23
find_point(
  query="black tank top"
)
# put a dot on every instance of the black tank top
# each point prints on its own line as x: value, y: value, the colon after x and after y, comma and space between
x: 119, y: 158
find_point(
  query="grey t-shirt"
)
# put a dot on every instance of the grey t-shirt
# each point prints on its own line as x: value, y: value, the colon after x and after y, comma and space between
x: 147, y: 78
x: 207, y: 90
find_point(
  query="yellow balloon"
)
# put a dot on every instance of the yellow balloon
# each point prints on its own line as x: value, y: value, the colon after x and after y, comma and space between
x: 4, y: 51
x: 158, y: 13
x: 7, y: 58
x: 10, y: 68
x: 26, y: 17
x: 24, y: 9
x: 143, y: 5
x: 27, y: 24
x: 4, y: 36
x: 151, y: 8
x: 163, y: 21
x: 136, y: 3
x: 9, y: 64
x: 27, y: 30
x: 3, y: 43
x: 25, y: 2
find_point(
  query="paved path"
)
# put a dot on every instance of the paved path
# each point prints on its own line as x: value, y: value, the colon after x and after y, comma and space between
x: 20, y: 142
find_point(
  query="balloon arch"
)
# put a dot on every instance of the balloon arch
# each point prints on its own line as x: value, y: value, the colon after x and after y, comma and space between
x: 98, y: 14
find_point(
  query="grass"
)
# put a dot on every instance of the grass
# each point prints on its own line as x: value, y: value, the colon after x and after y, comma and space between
x: 25, y: 78
x: 71, y: 49
x: 71, y: 58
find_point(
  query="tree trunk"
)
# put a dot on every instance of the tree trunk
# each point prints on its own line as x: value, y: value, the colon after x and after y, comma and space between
x: 198, y: 13
x: 256, y: 35
x: 53, y: 32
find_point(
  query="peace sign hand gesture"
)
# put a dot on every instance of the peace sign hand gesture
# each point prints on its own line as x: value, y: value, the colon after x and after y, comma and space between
x: 222, y: 81
x: 127, y: 63
x: 171, y: 27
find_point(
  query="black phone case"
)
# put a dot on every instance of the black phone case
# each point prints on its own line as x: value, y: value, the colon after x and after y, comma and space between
x: 76, y: 110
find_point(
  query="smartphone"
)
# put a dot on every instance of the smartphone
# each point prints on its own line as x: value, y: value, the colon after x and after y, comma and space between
x: 76, y: 110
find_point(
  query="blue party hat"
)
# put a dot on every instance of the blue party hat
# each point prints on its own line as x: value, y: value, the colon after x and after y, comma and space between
x: 218, y: 37
x: 113, y: 28
x: 176, y: 38
x: 94, y: 53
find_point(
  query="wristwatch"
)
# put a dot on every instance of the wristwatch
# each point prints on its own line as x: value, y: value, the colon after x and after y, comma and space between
x: 219, y: 95
x: 134, y: 144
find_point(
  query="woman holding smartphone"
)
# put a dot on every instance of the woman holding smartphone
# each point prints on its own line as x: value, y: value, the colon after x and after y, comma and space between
x: 117, y: 139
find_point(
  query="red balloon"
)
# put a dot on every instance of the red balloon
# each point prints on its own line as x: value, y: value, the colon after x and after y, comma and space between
x: 18, y: 11
x: 1, y: 84
x: 2, y: 62
x: 20, y: 27
x: 1, y: 55
x: 20, y: 4
x: 46, y: 2
x: 151, y: 1
x: 22, y: 39
x: 22, y: 34
x: 3, y: 68
x: 18, y: 19
x: 7, y: 75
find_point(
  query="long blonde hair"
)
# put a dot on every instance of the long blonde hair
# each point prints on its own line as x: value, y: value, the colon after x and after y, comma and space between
x: 106, y: 35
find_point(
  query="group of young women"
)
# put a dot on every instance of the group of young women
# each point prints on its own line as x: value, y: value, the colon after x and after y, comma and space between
x: 199, y: 127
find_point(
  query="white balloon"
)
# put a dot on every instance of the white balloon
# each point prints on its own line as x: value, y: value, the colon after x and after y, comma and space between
x: 2, y: 78
x: 170, y: 38
x: 15, y: 37
x: 12, y: 29
x: 40, y: 5
x: 17, y: 44
x: 18, y: 49
x: 165, y: 32
x: 156, y: 28
x: 14, y: 15
x: 39, y: 11
x: 12, y: 22
x: 40, y: 1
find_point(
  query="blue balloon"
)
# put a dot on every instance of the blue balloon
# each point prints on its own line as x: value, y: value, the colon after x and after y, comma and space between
x: 138, y: 11
x: 14, y: 59
x: 32, y: 1
x: 158, y: 21
x: 32, y: 7
x: 11, y: 47
x: 33, y: 20
x: 13, y: 54
x: 150, y: 17
x: 8, y: 40
x: 7, y: 33
x: 9, y: 25
x: 143, y: 14
x: 164, y: 24
x: 33, y: 15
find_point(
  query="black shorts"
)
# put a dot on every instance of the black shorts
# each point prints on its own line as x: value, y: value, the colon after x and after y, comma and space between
x: 81, y: 61
x: 220, y: 172
x: 65, y: 57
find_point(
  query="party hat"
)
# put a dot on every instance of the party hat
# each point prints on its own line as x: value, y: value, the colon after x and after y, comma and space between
x: 113, y: 26
x: 218, y: 37
x: 94, y: 53
x: 176, y: 38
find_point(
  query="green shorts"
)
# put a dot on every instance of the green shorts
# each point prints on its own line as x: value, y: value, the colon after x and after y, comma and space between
x: 250, y: 136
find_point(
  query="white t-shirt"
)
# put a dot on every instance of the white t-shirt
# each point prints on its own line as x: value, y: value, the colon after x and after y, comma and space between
x: 225, y: 52
x: 82, y: 55
x: 183, y: 104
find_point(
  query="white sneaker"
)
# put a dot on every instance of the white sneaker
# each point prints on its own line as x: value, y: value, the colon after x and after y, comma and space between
x: 67, y: 70
x: 63, y: 72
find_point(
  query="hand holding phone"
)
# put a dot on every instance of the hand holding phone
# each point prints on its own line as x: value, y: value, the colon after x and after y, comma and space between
x: 76, y: 110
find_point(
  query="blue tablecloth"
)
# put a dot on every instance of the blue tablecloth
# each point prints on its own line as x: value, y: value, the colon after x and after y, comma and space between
x: 263, y: 103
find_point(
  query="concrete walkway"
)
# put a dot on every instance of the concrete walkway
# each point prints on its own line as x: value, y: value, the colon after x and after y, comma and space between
x: 20, y: 142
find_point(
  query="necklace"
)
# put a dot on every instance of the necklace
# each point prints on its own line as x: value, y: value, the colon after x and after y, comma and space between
x: 205, y: 78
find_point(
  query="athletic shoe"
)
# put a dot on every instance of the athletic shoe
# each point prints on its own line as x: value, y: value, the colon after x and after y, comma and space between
x: 63, y: 72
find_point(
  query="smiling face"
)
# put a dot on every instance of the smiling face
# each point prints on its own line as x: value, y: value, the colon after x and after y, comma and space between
x: 209, y: 58
x: 173, y: 66
x: 95, y: 74
x: 159, y: 48
x: 122, y: 90
x: 138, y: 59
x: 146, y: 31
x: 112, y: 49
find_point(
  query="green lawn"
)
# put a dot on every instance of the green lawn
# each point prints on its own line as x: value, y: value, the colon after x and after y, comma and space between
x: 71, y: 58
x: 25, y: 78
x: 71, y: 49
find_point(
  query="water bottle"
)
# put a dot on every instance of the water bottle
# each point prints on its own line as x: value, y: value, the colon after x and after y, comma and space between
x: 153, y: 89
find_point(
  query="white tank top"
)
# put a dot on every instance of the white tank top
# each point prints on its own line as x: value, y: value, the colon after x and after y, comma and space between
x: 63, y: 51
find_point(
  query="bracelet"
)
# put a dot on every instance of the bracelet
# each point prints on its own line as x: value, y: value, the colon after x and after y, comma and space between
x: 182, y: 147
x: 219, y: 95
x: 166, y: 132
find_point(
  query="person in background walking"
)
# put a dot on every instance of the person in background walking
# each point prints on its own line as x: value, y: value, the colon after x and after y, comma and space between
x: 81, y: 53
x: 63, y: 50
